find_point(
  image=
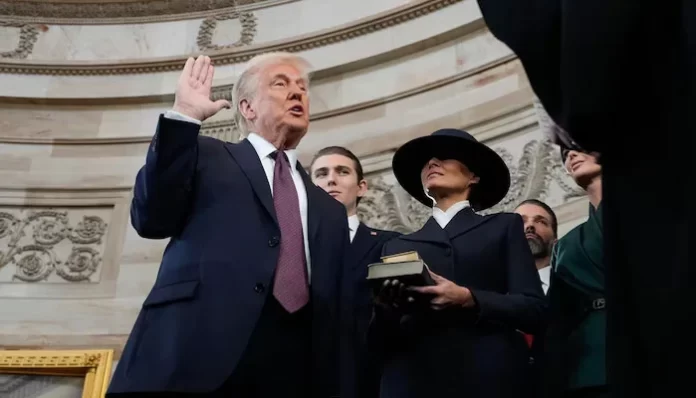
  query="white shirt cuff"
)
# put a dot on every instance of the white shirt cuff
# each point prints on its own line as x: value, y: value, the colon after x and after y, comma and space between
x: 180, y: 116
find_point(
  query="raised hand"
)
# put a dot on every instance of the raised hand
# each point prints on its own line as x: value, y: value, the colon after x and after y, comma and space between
x: 192, y: 96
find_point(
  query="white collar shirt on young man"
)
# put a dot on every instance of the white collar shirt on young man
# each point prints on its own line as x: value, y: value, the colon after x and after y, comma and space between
x: 353, y: 224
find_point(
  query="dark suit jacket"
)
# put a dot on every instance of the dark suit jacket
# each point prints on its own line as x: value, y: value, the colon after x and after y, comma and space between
x: 214, y: 201
x: 458, y: 352
x: 360, y: 370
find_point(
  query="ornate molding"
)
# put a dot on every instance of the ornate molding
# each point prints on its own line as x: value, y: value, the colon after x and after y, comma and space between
x: 225, y: 92
x: 227, y: 56
x: 223, y: 130
x: 28, y: 34
x: 20, y: 360
x: 208, y: 26
x: 104, y: 12
x: 42, y: 243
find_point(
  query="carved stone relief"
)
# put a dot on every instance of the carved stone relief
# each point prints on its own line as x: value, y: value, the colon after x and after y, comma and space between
x: 51, y: 245
x: 208, y: 26
x: 356, y: 29
x: 28, y: 34
x: 388, y: 206
x: 223, y: 130
x: 117, y: 11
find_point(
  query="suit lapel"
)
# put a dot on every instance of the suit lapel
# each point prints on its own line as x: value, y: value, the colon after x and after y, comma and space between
x: 248, y: 160
x: 431, y: 232
x: 313, y: 205
x: 362, y: 243
x: 463, y: 222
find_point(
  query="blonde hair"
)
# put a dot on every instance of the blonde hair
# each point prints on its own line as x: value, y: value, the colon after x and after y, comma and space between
x: 248, y: 83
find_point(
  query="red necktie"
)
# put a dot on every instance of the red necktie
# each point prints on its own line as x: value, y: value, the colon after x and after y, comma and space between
x: 290, y: 286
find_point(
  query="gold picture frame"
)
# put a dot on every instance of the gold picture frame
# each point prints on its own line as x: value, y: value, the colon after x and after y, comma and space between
x: 93, y: 365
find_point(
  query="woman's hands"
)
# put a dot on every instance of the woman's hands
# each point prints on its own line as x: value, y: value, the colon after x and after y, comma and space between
x: 394, y: 295
x: 446, y: 293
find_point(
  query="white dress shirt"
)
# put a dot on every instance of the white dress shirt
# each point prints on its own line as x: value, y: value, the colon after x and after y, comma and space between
x: 264, y: 149
x: 353, y: 224
x: 444, y: 217
x: 545, y: 276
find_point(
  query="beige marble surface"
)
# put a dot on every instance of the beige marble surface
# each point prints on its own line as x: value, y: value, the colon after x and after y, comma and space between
x: 164, y: 39
x: 75, y: 144
x: 412, y: 35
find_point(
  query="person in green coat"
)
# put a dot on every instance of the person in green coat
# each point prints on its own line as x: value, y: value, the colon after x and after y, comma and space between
x: 575, y: 346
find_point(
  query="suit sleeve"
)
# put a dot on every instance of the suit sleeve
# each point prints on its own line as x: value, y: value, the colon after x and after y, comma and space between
x: 523, y: 306
x: 163, y: 187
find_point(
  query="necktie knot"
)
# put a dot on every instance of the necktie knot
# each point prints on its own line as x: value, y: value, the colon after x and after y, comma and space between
x: 274, y: 156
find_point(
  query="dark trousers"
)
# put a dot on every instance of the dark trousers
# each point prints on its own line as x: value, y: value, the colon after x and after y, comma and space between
x: 276, y: 362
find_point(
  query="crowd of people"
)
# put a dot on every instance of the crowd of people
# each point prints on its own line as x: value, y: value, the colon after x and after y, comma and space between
x: 262, y: 289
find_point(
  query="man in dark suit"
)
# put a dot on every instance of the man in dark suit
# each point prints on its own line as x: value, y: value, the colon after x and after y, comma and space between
x: 541, y: 230
x: 245, y: 303
x: 338, y: 171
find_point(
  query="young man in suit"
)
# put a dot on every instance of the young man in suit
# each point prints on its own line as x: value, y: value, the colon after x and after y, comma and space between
x: 541, y: 230
x: 245, y: 303
x: 339, y: 172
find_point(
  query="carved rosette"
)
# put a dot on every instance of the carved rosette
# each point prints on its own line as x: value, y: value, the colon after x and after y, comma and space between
x: 81, y: 264
x: 34, y: 263
x: 8, y: 223
x: 43, y: 243
x: 90, y: 230
x: 388, y: 206
x: 207, y: 30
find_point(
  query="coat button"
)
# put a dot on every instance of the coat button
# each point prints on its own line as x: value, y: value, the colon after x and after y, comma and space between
x: 259, y: 288
x: 273, y: 242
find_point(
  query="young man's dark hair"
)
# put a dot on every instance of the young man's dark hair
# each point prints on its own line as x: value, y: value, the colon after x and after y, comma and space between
x: 339, y: 150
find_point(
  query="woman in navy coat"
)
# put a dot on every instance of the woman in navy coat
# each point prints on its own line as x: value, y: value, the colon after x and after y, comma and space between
x: 466, y: 342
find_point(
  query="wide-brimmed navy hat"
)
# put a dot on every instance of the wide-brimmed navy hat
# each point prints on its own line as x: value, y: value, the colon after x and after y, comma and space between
x: 494, y: 176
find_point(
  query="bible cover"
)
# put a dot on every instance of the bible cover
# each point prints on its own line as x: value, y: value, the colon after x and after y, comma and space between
x: 408, y: 268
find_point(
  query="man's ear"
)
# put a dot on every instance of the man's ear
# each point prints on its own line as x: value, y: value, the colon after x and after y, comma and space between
x: 475, y: 179
x: 362, y: 188
x: 246, y: 110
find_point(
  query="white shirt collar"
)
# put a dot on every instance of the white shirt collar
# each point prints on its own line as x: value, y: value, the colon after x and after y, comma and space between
x: 264, y: 148
x: 545, y: 276
x: 444, y: 217
x: 353, y: 224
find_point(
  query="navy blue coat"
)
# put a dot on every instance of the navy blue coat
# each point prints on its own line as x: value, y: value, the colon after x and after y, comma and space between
x: 360, y: 371
x: 214, y: 201
x: 461, y: 352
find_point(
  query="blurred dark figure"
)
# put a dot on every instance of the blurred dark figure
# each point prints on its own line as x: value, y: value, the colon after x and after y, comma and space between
x: 618, y: 77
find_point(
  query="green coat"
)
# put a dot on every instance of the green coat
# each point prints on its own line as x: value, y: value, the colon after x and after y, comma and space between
x: 576, y: 337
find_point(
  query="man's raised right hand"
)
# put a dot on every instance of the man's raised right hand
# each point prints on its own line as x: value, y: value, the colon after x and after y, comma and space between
x: 192, y: 96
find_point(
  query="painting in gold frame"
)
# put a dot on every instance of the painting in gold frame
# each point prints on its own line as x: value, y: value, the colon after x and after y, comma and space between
x: 93, y: 367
